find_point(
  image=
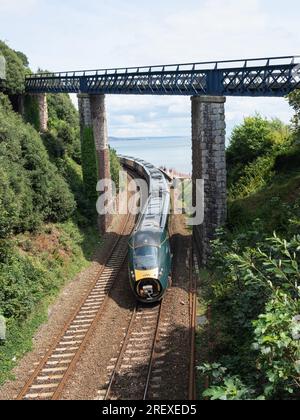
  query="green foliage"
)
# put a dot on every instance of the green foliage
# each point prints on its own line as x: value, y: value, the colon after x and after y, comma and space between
x: 115, y: 167
x: 31, y: 111
x: 250, y: 140
x: 294, y: 100
x: 252, y: 147
x: 16, y: 69
x: 256, y: 176
x: 23, y: 58
x: 38, y: 185
x: 22, y: 285
x: 255, y: 304
x: 31, y: 278
x: 30, y: 183
x: 288, y: 160
x: 277, y: 341
x: 89, y: 165
x: 276, y: 206
x: 64, y: 126
x: 224, y: 387
x: 253, y: 285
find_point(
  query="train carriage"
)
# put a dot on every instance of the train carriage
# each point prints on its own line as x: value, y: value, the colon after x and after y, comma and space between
x: 150, y: 258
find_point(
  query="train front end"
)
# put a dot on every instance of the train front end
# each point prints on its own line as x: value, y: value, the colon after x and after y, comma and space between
x: 149, y: 266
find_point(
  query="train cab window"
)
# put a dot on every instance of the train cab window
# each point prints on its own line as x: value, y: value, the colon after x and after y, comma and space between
x: 146, y: 258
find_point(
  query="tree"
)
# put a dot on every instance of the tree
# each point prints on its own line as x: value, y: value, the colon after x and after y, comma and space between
x: 15, y: 70
x: 257, y: 137
x: 250, y: 140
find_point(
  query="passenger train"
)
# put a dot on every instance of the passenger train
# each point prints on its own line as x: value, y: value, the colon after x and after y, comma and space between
x: 150, y: 259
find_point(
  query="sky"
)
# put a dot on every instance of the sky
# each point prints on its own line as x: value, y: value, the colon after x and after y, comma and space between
x: 61, y: 35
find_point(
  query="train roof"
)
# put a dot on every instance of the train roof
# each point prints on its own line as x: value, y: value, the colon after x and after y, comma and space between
x: 155, y: 213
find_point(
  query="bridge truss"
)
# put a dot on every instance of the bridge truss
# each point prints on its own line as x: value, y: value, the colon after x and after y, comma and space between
x: 276, y: 76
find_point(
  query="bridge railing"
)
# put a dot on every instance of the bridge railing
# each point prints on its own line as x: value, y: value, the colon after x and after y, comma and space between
x: 170, y: 68
x: 275, y: 76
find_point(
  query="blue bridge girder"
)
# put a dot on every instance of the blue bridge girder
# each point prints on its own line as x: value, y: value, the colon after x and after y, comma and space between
x: 276, y: 76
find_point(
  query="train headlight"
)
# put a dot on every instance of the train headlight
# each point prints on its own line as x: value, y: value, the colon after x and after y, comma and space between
x: 132, y: 275
x: 161, y: 273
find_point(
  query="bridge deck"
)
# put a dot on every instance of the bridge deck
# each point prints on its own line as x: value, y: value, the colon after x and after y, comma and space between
x: 275, y: 76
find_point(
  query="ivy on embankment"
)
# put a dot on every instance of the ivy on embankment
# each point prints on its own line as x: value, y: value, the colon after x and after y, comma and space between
x: 31, y: 111
x: 89, y: 165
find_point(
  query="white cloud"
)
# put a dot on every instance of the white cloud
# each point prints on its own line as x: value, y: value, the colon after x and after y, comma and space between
x: 16, y: 6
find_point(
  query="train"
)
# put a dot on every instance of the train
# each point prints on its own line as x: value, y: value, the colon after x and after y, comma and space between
x: 149, y: 256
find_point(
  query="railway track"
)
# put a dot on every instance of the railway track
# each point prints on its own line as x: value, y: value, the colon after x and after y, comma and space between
x: 138, y: 372
x: 193, y: 315
x: 49, y: 378
x: 135, y: 374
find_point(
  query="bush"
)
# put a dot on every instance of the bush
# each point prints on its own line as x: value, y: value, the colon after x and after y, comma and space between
x: 256, y: 138
x: 22, y: 286
x: 256, y: 176
x: 288, y: 160
x: 30, y: 183
x: 64, y: 124
x: 255, y: 304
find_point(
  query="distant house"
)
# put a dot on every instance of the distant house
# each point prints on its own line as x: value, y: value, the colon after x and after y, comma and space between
x: 2, y: 68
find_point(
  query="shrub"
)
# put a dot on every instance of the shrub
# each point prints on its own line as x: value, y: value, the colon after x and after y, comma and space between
x: 256, y: 138
x: 30, y: 183
x: 22, y: 285
x: 256, y: 176
x: 288, y: 160
x: 255, y: 303
x: 64, y: 124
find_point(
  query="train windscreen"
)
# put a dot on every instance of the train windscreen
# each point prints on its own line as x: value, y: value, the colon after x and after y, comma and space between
x: 146, y: 258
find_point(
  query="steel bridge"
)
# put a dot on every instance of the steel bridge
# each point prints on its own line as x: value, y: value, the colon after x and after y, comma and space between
x: 276, y: 76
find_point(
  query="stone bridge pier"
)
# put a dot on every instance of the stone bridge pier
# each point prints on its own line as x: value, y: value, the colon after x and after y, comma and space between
x: 43, y: 111
x: 92, y: 113
x: 209, y: 164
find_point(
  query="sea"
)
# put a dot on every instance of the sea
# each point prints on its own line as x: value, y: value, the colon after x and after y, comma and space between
x: 169, y: 152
